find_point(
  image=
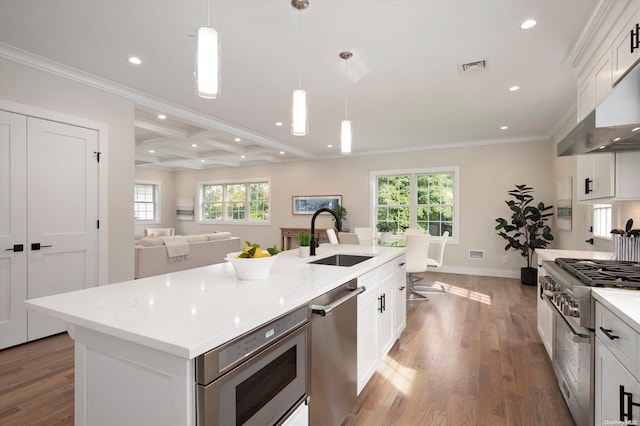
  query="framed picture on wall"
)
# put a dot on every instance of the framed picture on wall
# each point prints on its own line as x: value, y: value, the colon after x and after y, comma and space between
x: 304, y: 204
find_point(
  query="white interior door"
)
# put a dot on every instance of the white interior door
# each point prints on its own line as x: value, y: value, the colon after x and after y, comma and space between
x: 62, y: 191
x: 13, y: 229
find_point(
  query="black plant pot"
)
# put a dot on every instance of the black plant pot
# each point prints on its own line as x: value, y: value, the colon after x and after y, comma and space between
x: 528, y: 276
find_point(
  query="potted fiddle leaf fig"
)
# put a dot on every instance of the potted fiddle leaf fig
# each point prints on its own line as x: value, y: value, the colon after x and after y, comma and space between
x: 526, y: 230
x: 341, y: 211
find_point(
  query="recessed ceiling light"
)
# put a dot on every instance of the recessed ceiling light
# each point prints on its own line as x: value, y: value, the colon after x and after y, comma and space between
x: 162, y: 117
x: 195, y: 145
x: 279, y: 123
x: 135, y: 60
x: 329, y: 146
x: 504, y: 127
x: 617, y: 139
x: 514, y: 88
x: 202, y: 161
x: 635, y: 129
x: 281, y: 152
x: 243, y: 156
x: 529, y: 23
x: 237, y: 139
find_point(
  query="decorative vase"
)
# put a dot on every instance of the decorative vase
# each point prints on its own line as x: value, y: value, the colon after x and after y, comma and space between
x: 627, y: 248
x: 385, y: 238
x: 304, y: 251
x: 528, y: 276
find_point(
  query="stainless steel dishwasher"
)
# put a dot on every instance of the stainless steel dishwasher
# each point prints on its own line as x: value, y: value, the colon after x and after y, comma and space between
x: 334, y: 325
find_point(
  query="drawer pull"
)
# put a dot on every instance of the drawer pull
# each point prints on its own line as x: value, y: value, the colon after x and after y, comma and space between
x: 607, y: 332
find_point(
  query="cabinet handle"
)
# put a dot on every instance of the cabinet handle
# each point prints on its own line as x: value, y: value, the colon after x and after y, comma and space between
x: 630, y: 404
x: 607, y: 332
x: 401, y: 264
x: 16, y: 248
x: 380, y: 308
x: 402, y: 288
x: 384, y: 302
x: 635, y: 38
x: 587, y: 182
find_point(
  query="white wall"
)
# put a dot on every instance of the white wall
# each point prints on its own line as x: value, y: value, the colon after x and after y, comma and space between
x: 486, y: 174
x: 32, y: 87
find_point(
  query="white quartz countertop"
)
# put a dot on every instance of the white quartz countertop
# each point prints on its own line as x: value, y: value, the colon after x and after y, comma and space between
x: 624, y: 303
x: 189, y: 312
x: 552, y: 254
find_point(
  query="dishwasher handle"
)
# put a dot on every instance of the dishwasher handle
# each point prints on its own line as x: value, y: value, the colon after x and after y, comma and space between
x: 323, y: 310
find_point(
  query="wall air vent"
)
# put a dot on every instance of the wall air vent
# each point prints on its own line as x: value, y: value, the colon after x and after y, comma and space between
x: 474, y: 66
x: 476, y: 254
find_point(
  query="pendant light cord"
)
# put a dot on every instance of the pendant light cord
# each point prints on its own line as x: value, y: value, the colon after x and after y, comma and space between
x: 299, y: 50
x: 346, y: 93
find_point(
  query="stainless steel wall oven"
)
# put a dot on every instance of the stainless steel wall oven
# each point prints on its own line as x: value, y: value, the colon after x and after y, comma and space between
x: 259, y: 378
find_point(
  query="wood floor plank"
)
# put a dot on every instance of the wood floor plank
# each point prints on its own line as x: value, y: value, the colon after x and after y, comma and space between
x: 471, y: 356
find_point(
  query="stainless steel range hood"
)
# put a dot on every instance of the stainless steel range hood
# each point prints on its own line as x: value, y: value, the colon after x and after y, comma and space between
x: 613, y: 126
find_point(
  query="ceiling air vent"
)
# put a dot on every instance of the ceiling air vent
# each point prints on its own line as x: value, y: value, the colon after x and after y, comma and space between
x: 478, y: 65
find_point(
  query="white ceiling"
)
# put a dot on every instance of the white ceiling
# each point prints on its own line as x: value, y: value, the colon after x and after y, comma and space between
x: 404, y: 86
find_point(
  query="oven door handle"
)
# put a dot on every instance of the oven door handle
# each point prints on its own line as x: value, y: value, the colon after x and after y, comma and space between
x: 575, y: 337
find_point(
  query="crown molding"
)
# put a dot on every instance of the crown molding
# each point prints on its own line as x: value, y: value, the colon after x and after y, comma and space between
x: 139, y: 98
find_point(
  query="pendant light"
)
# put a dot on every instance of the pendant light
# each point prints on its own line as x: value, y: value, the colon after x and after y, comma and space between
x: 208, y: 61
x: 345, y: 128
x: 299, y: 107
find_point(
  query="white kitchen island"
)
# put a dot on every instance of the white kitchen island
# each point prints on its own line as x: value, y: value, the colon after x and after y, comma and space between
x: 136, y: 341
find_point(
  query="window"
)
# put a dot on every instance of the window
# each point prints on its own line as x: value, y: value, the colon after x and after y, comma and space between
x: 146, y: 202
x: 425, y: 198
x: 602, y: 220
x: 235, y: 202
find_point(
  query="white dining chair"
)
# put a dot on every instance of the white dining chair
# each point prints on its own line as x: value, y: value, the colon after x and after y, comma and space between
x: 434, y: 263
x: 417, y: 254
x: 331, y: 234
x: 348, y: 238
x: 365, y: 235
x: 414, y: 231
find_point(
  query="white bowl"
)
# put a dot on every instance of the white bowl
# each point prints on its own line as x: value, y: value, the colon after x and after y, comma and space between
x: 248, y: 268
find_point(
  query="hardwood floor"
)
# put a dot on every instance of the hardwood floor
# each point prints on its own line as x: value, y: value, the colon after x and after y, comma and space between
x: 471, y: 356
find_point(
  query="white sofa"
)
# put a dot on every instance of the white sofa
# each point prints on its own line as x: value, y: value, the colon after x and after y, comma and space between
x: 205, y: 249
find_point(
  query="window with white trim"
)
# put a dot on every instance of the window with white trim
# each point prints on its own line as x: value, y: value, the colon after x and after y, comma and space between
x: 602, y: 220
x: 417, y: 198
x: 146, y: 204
x: 235, y: 202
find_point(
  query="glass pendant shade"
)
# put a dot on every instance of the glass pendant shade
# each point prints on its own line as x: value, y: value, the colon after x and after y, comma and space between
x: 207, y: 64
x: 345, y: 137
x: 299, y: 115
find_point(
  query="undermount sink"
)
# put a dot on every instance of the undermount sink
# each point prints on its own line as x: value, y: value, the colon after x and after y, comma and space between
x: 342, y: 260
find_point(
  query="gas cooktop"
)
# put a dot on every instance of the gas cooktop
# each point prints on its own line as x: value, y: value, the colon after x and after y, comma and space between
x: 603, y: 273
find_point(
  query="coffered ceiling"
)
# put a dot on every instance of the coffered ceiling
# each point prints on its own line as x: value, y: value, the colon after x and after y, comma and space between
x: 405, y: 85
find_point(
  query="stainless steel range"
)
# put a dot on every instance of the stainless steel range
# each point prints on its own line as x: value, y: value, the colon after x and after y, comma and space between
x: 566, y: 286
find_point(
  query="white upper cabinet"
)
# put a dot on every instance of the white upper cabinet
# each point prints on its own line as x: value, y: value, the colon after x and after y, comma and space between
x: 596, y: 176
x: 623, y: 57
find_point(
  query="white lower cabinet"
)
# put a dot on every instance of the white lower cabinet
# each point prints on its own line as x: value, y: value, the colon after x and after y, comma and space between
x: 545, y: 316
x: 400, y: 296
x: 367, y: 330
x: 617, y: 389
x: 380, y: 316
